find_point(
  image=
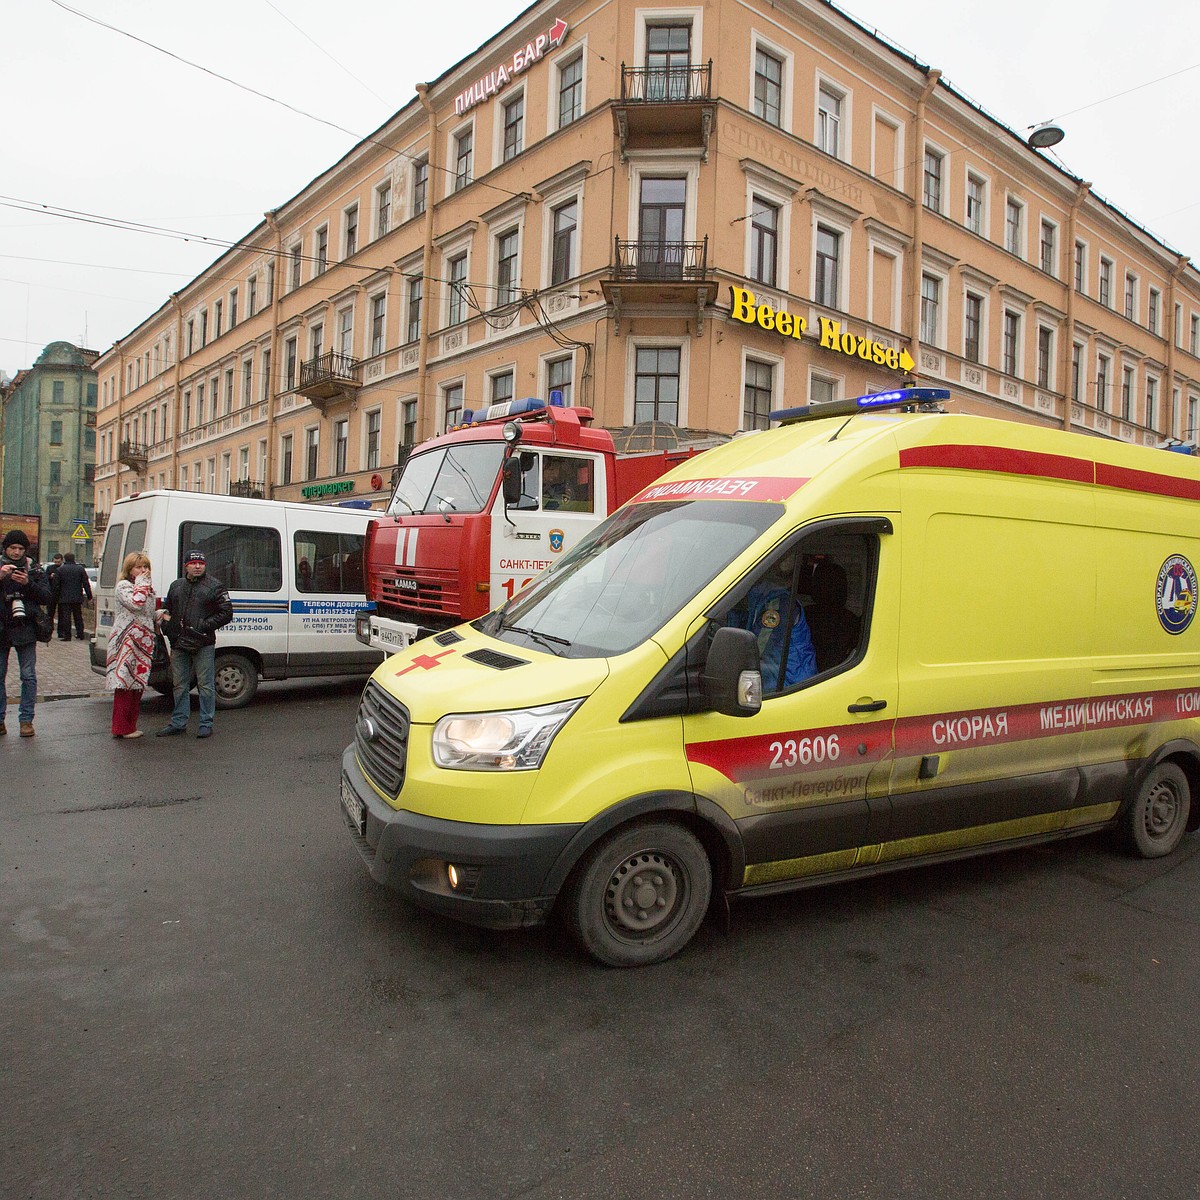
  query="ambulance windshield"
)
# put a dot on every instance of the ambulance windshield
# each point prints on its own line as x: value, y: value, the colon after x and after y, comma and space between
x: 629, y: 577
x: 449, y: 479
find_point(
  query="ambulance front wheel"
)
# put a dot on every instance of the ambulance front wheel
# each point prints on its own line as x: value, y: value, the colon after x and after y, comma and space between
x: 236, y: 680
x: 640, y: 895
x: 1158, y: 817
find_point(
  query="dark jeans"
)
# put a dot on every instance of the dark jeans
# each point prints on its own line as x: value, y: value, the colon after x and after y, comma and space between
x: 65, y: 613
x: 27, y: 660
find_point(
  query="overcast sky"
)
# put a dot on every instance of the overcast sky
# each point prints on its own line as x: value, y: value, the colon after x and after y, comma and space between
x: 95, y: 122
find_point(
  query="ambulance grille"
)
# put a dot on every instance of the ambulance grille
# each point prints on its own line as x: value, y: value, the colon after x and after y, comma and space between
x: 493, y: 658
x: 382, y: 756
x: 448, y: 638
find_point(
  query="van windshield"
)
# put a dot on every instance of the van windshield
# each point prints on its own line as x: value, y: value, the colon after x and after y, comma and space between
x: 450, y: 479
x: 629, y: 577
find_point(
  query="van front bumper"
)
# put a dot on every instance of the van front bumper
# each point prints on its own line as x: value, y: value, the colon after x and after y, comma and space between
x: 502, y: 869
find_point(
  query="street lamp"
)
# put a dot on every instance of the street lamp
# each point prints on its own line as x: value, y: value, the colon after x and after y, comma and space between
x: 1044, y: 136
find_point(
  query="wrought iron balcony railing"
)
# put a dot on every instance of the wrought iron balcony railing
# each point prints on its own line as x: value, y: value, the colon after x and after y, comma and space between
x: 666, y: 85
x: 251, y: 489
x: 660, y: 262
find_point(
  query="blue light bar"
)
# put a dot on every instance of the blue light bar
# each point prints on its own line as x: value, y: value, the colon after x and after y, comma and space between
x: 914, y: 397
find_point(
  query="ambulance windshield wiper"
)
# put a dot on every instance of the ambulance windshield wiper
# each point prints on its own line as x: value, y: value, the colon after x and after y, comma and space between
x: 543, y: 639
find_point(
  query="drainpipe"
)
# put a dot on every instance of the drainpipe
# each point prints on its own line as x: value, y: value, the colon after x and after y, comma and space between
x: 272, y: 220
x: 1068, y: 346
x: 425, y: 422
x: 918, y: 246
x: 178, y: 373
x: 1169, y: 321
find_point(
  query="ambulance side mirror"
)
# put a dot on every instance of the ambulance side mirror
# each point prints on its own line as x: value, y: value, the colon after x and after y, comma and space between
x: 732, y: 676
x: 511, y: 483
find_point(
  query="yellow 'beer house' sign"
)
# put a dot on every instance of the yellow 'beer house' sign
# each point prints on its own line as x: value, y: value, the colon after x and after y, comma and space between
x: 744, y: 308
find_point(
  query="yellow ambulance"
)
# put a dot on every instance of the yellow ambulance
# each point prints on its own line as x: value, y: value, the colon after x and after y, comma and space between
x: 879, y: 635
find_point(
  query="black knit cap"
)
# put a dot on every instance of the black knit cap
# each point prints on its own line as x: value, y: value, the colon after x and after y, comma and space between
x: 15, y: 536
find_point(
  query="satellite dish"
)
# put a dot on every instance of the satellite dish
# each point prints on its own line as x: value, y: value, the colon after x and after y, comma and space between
x: 1045, y: 136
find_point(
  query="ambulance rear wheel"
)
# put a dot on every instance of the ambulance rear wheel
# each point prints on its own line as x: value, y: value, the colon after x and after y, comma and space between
x: 1158, y: 817
x: 640, y: 895
x: 236, y: 680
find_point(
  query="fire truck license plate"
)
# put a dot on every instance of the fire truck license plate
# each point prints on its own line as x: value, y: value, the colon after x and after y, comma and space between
x: 353, y: 805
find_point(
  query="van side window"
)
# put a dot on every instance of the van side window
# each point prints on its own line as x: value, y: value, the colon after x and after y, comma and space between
x: 328, y: 562
x: 567, y: 483
x: 245, y: 558
x: 136, y: 539
x: 110, y: 562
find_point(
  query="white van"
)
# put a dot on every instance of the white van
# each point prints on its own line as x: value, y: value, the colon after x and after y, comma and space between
x: 294, y: 573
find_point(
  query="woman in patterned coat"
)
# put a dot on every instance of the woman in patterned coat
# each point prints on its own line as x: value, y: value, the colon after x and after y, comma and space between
x: 130, y: 645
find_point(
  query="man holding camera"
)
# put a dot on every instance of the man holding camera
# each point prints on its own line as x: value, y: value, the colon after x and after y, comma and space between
x: 22, y: 586
x: 197, y: 606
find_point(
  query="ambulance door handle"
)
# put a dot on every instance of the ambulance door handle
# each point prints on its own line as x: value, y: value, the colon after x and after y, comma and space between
x: 869, y: 706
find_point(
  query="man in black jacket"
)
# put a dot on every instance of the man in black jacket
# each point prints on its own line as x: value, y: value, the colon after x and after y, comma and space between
x: 22, y: 585
x: 197, y: 606
x: 70, y: 588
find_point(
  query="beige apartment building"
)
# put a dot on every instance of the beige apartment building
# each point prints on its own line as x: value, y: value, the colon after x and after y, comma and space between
x: 688, y: 213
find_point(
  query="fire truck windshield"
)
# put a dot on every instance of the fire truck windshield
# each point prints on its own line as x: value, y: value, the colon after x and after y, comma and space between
x: 458, y: 478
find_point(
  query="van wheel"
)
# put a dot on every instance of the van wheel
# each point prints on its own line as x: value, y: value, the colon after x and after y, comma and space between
x: 1157, y: 818
x: 236, y: 680
x: 640, y: 895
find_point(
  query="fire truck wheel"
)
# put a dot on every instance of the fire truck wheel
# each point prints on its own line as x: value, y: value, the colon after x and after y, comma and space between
x: 236, y: 681
x: 1157, y: 819
x: 640, y: 895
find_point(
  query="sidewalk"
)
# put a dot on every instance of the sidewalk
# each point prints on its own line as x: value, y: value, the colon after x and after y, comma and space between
x: 63, y: 672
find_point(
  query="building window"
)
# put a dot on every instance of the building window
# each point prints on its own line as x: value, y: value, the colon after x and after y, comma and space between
x: 186, y: 411
x: 346, y: 333
x: 350, y: 237
x: 758, y: 394
x: 199, y: 404
x: 452, y: 401
x: 768, y: 87
x: 668, y: 57
x: 408, y: 427
x: 933, y: 180
x: 1154, y: 313
x: 341, y: 439
x: 514, y: 128
x: 374, y: 439
x: 1194, y: 344
x: 1048, y: 247
x: 1045, y: 365
x: 55, y: 472
x: 233, y: 307
x: 1151, y: 403
x: 285, y: 459
x: 383, y: 208
x: 463, y: 152
x: 415, y: 287
x: 976, y: 194
x: 295, y: 266
x: 247, y: 381
x: 1077, y: 371
x: 570, y: 91
x: 656, y: 384
x: 378, y: 314
x: 829, y: 247
x: 1012, y: 343
x: 322, y: 249
x: 1130, y: 296
x: 312, y: 443
x: 252, y: 295
x: 1080, y: 266
x: 822, y: 389
x: 228, y: 391
x: 270, y: 283
x: 565, y: 220
x: 559, y: 377
x: 764, y: 240
x: 56, y: 428
x: 506, y: 267
x: 931, y: 300
x: 972, y: 321
x: 316, y: 342
x: 191, y: 336
x: 1103, y: 364
x: 420, y: 186
x: 218, y: 318
x: 829, y: 120
x: 265, y: 392
x: 1106, y: 272
x: 1014, y: 227
x: 1193, y: 426
x: 458, y: 281
x: 290, y: 351
x: 1127, y: 393
x: 501, y: 388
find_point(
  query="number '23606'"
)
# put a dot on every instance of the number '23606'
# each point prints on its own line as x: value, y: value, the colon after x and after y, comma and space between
x: 804, y: 751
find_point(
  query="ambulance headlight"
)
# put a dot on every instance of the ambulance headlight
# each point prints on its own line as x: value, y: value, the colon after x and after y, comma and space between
x: 500, y: 741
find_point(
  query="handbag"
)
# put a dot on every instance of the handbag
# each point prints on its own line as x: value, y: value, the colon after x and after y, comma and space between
x: 43, y: 626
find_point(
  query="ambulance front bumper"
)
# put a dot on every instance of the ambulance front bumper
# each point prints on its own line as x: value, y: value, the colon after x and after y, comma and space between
x: 494, y: 876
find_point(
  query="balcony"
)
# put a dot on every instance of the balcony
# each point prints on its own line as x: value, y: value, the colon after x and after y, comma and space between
x: 329, y: 378
x: 133, y: 455
x: 89, y: 420
x: 249, y: 489
x: 665, y: 108
x: 99, y: 522
x: 658, y: 273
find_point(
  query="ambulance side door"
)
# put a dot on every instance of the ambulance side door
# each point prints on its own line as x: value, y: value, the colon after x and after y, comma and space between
x: 806, y: 778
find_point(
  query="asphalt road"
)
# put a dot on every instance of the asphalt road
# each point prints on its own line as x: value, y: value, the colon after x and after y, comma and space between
x: 202, y: 994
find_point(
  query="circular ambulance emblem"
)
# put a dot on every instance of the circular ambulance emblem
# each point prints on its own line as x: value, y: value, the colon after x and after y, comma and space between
x: 770, y: 619
x: 1175, y: 595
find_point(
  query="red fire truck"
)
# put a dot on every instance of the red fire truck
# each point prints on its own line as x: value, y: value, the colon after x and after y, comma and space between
x: 480, y: 510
